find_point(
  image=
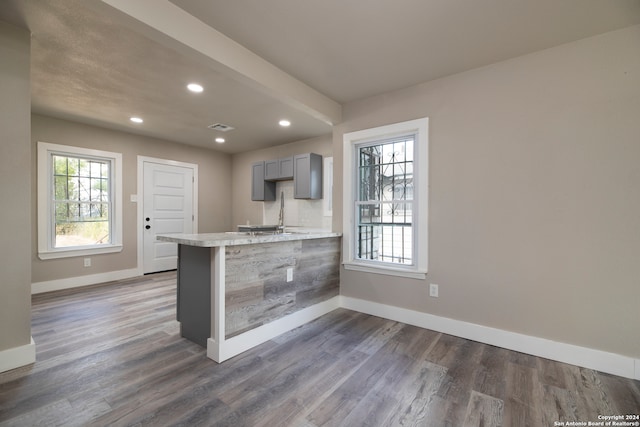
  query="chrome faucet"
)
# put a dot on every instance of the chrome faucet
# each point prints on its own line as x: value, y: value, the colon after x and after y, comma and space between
x: 281, y: 217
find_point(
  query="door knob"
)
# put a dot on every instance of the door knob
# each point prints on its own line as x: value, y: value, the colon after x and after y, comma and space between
x: 148, y: 219
x: 147, y: 227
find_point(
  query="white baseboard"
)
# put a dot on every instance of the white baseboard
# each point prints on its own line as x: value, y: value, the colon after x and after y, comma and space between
x: 243, y: 342
x: 16, y: 357
x: 603, y: 361
x: 74, y: 282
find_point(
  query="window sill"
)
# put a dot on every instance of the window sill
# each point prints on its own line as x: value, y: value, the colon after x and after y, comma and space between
x: 76, y: 252
x: 389, y: 271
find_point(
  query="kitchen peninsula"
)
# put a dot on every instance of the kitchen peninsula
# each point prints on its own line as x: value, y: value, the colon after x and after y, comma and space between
x: 237, y: 290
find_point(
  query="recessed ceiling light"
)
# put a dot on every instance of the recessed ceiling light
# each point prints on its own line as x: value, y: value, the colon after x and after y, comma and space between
x: 136, y: 120
x: 284, y: 123
x: 195, y: 87
x: 220, y: 140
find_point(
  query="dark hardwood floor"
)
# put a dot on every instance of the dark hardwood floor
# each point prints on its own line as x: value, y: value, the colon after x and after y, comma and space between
x: 111, y: 355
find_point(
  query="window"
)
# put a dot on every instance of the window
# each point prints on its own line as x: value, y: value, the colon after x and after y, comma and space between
x: 79, y: 201
x: 385, y: 199
x: 385, y: 221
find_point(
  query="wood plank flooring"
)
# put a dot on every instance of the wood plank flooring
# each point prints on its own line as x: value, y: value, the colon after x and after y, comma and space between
x: 111, y: 355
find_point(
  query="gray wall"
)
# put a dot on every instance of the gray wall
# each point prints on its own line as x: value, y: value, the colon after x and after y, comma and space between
x: 214, y: 191
x: 534, y: 194
x: 243, y: 209
x: 15, y: 188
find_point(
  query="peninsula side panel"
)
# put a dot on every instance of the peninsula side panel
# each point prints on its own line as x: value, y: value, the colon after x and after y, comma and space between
x: 257, y: 290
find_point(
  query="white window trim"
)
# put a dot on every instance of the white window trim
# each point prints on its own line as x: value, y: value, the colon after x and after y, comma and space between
x: 421, y: 196
x: 45, y: 225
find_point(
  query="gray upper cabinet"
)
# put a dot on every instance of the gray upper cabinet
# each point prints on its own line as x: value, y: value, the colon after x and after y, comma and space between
x: 261, y: 190
x: 271, y: 169
x: 307, y: 176
x: 278, y: 169
x: 286, y: 167
x: 304, y: 169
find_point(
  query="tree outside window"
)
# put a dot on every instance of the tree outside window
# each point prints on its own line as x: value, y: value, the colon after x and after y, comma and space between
x: 82, y: 201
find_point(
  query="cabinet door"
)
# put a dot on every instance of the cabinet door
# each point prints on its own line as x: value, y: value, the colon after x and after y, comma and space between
x: 271, y: 169
x: 261, y: 190
x: 307, y: 176
x: 257, y: 179
x: 285, y: 167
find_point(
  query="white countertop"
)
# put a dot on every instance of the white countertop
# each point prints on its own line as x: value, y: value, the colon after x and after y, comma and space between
x: 237, y: 238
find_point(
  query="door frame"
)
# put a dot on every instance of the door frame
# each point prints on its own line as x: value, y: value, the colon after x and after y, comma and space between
x: 139, y: 199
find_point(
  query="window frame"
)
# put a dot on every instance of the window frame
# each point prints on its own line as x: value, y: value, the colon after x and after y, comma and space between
x: 46, y: 205
x: 351, y: 142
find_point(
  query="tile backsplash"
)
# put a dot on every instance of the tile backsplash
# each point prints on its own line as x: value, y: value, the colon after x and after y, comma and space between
x: 297, y: 212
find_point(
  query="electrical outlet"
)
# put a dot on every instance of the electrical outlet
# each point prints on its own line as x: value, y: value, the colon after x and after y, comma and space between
x: 433, y: 290
x: 87, y: 262
x: 289, y: 274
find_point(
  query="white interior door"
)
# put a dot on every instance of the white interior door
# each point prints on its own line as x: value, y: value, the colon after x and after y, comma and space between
x: 167, y: 209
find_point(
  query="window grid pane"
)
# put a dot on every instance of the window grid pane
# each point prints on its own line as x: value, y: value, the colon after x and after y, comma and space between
x: 81, y: 201
x: 384, y: 207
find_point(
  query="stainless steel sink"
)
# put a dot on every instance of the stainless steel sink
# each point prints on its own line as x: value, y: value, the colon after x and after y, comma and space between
x: 266, y: 233
x: 256, y: 233
x: 260, y: 228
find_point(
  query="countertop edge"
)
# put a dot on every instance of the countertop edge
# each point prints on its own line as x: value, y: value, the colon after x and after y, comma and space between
x: 210, y: 240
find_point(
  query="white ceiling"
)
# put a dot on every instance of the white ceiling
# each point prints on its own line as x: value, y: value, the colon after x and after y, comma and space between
x: 97, y: 64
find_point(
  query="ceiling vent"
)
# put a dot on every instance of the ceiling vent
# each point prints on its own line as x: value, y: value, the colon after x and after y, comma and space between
x: 220, y: 127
